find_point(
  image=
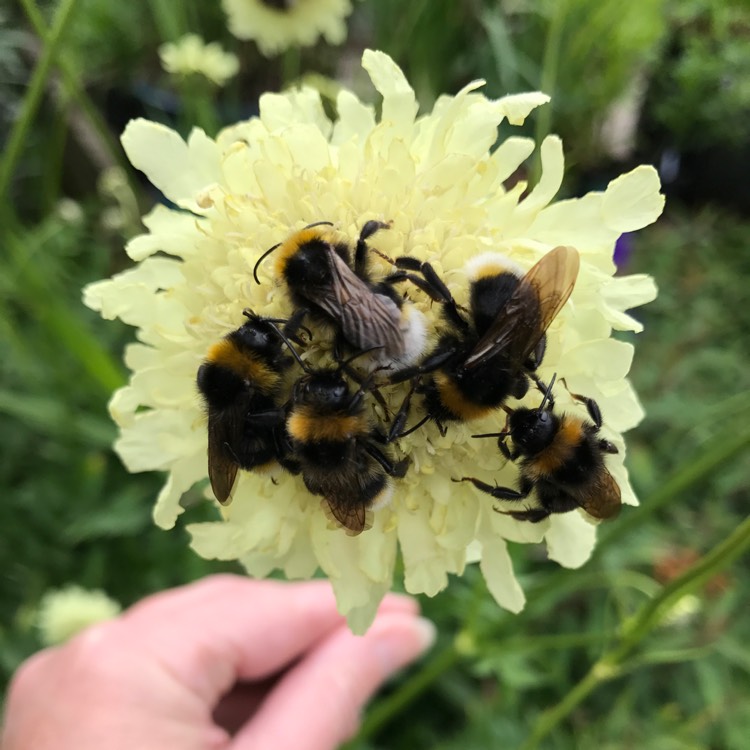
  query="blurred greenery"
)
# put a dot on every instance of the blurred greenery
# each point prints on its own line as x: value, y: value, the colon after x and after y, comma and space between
x: 667, y: 641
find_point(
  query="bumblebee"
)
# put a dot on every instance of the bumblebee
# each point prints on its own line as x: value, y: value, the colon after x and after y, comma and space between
x: 482, y: 361
x: 562, y: 458
x: 241, y: 383
x: 325, y: 281
x: 336, y: 446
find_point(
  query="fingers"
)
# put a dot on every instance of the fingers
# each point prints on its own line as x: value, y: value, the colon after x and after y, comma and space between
x: 316, y: 705
x: 226, y: 629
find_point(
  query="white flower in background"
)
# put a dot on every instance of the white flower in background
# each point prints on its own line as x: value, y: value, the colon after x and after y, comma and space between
x: 65, y: 612
x: 436, y: 179
x: 190, y: 55
x: 275, y: 25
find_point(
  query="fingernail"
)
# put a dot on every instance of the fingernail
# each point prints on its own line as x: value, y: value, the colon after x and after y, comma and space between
x: 398, y: 646
x: 427, y: 633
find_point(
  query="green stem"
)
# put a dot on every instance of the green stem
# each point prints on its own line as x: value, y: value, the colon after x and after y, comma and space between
x: 548, y: 79
x: 690, y: 474
x: 291, y: 63
x: 385, y: 710
x: 77, y: 94
x: 33, y: 97
x: 610, y: 665
x: 677, y: 485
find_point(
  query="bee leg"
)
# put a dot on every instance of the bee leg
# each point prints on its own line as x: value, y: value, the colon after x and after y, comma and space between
x: 360, y: 253
x: 428, y: 365
x: 294, y: 324
x: 591, y: 407
x: 606, y: 447
x: 431, y: 284
x: 364, y: 384
x: 533, y: 515
x: 397, y: 469
x: 507, y: 452
x: 537, y: 355
x: 501, y: 493
x: 397, y: 428
x: 543, y: 387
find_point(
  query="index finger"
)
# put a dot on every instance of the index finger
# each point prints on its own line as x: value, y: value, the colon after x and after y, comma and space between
x: 226, y: 629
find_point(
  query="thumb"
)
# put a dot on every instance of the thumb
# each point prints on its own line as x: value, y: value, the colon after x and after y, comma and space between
x: 316, y: 705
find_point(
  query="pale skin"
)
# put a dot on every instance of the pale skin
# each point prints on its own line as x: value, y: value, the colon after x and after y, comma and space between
x: 223, y: 664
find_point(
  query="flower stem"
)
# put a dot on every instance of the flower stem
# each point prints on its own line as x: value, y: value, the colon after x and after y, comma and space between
x: 611, y: 664
x: 31, y: 101
x: 394, y: 704
x: 290, y: 67
x: 77, y: 93
x: 548, y: 78
x: 690, y: 474
x: 687, y: 476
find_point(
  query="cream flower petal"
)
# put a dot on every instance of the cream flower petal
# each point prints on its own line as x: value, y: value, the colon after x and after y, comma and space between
x: 170, y: 233
x: 517, y: 107
x: 180, y: 170
x: 497, y: 569
x: 632, y: 201
x: 399, y: 103
x: 434, y: 178
x: 570, y: 539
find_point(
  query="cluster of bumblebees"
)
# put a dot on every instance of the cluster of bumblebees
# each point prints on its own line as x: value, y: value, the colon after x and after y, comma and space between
x: 262, y: 412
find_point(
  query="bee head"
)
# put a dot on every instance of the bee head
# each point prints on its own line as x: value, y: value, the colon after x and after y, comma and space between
x: 325, y: 389
x: 258, y: 334
x: 533, y: 430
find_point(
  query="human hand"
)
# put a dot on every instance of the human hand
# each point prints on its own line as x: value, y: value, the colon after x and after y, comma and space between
x: 227, y: 663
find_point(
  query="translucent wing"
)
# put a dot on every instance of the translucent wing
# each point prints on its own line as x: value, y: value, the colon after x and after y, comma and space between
x: 530, y: 309
x: 224, y: 431
x: 355, y: 518
x: 601, y: 496
x: 367, y: 319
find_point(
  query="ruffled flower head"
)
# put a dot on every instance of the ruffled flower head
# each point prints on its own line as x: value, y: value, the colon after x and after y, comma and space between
x: 65, y: 612
x: 275, y: 25
x: 191, y: 55
x: 440, y: 184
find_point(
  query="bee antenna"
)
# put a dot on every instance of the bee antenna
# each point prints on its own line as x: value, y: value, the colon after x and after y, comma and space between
x: 548, y: 392
x: 491, y: 434
x: 319, y: 224
x: 261, y: 259
x: 281, y: 335
x: 351, y: 359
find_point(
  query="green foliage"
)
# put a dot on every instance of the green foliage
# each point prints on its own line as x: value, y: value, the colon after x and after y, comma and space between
x: 709, y: 75
x: 669, y: 645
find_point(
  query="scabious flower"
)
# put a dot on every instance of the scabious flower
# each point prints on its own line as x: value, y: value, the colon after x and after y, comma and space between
x: 437, y: 178
x: 275, y: 25
x: 64, y: 612
x: 191, y: 55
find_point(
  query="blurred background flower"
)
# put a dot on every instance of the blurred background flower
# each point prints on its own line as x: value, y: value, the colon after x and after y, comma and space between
x: 191, y: 55
x: 65, y: 612
x: 276, y: 25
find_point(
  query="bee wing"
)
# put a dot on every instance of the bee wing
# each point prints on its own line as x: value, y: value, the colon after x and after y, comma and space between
x: 530, y: 309
x: 601, y: 498
x: 368, y: 320
x: 354, y: 518
x: 224, y: 430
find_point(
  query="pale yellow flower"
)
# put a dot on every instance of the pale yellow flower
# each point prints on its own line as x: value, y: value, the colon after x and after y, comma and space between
x: 190, y: 55
x: 65, y: 612
x: 437, y: 179
x: 275, y: 25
